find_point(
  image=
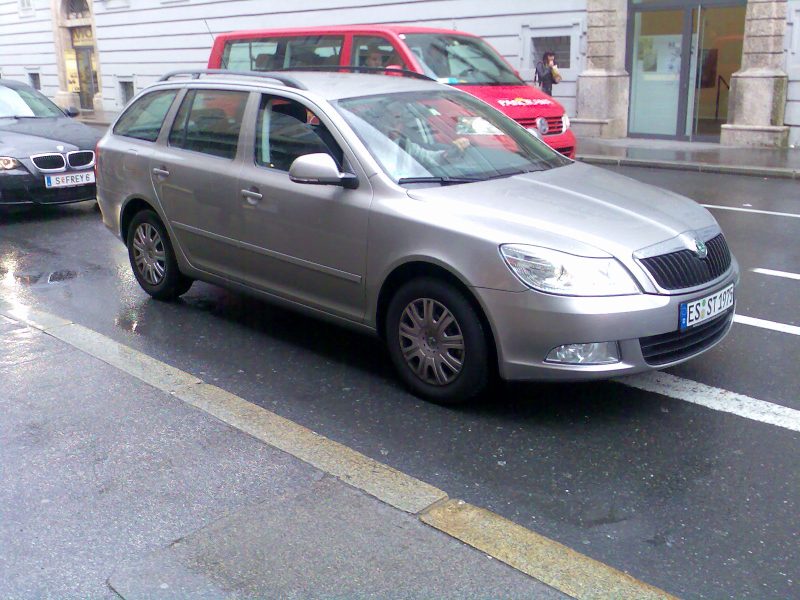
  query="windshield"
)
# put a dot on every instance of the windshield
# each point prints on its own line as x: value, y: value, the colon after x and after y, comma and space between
x: 460, y: 60
x: 444, y: 136
x: 25, y: 102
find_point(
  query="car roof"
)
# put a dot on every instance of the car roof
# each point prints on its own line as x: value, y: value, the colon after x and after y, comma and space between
x: 328, y: 85
x: 10, y: 83
x: 395, y: 29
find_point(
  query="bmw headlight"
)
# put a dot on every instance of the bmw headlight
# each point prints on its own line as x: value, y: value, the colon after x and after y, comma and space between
x: 565, y: 124
x: 557, y: 272
x: 7, y: 163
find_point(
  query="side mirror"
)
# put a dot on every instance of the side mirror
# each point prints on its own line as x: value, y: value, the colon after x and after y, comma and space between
x: 320, y: 169
x: 398, y: 70
x: 71, y: 112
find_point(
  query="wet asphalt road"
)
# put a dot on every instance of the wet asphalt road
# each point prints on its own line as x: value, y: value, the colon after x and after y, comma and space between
x: 700, y: 503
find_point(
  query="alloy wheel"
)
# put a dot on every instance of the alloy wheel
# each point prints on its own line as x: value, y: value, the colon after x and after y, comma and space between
x: 149, y: 254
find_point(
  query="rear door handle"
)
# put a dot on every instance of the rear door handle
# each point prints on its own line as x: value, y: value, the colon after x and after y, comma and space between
x: 161, y: 172
x: 251, y: 196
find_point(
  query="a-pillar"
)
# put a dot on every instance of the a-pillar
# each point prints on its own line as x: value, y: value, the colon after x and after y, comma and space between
x: 603, y: 88
x: 757, y: 101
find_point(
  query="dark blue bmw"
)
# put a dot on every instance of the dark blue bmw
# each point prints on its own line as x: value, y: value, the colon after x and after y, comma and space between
x: 45, y: 156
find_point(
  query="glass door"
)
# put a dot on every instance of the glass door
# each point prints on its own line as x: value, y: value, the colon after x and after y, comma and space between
x: 716, y: 53
x: 657, y: 72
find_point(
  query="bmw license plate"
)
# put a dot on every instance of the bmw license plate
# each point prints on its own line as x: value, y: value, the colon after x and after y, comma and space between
x: 695, y: 312
x: 68, y: 179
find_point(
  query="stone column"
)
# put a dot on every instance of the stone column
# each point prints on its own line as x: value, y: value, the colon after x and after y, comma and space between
x: 63, y: 98
x: 603, y: 88
x: 757, y: 100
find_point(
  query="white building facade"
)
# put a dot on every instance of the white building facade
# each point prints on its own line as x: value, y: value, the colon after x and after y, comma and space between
x: 719, y: 69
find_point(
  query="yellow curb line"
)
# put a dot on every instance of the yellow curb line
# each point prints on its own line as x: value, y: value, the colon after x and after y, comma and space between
x: 544, y: 559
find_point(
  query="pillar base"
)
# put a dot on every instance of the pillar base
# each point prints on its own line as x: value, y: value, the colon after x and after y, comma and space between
x: 755, y: 136
x: 67, y: 99
x: 602, y: 104
x: 97, y: 102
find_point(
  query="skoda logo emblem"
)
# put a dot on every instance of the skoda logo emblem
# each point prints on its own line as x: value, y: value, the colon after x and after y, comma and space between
x: 700, y: 248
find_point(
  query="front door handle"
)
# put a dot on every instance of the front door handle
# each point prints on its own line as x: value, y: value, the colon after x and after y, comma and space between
x: 161, y: 172
x: 251, y: 196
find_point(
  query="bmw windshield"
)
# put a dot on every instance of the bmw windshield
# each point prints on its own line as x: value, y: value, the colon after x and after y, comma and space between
x: 26, y: 103
x: 444, y: 137
x: 460, y: 60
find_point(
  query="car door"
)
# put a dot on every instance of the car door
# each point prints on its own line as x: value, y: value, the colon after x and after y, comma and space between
x: 195, y: 175
x: 307, y: 243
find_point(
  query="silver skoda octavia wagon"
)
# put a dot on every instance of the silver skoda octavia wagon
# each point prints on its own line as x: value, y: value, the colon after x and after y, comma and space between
x: 416, y: 212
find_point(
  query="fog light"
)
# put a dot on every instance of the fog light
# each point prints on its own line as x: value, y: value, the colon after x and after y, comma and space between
x: 595, y: 353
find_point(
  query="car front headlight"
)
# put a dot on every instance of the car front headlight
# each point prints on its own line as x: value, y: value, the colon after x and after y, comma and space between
x: 7, y: 163
x: 565, y: 123
x: 557, y: 272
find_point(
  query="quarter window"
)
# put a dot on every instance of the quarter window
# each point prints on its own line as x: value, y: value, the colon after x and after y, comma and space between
x: 209, y: 121
x: 144, y: 118
x: 286, y: 130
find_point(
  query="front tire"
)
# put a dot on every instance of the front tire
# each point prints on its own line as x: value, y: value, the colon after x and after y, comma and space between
x: 437, y: 342
x: 153, y: 259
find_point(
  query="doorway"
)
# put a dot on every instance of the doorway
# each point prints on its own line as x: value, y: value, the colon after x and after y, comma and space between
x: 681, y: 58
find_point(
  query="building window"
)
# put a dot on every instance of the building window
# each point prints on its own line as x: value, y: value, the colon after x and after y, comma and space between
x: 35, y: 80
x: 126, y: 92
x: 25, y: 7
x: 558, y: 45
x: 77, y: 9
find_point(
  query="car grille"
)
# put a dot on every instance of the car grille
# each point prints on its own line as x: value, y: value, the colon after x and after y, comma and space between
x: 555, y: 125
x: 684, y: 269
x: 80, y: 158
x: 49, y: 162
x: 677, y: 345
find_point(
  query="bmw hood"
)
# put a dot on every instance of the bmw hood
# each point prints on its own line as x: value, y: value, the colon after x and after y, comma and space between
x: 21, y: 138
x: 576, y: 208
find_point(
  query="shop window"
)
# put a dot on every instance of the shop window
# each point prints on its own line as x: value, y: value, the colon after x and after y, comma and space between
x: 77, y: 9
x: 35, y: 81
x: 560, y: 45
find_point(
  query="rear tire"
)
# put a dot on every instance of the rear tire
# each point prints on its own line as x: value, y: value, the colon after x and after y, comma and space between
x: 437, y: 342
x: 153, y: 259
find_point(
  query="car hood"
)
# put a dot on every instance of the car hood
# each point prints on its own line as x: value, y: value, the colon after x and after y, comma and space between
x: 516, y: 101
x: 23, y: 137
x: 577, y: 208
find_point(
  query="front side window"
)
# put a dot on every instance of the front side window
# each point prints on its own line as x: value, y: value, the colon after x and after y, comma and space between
x: 286, y: 130
x: 209, y: 121
x: 144, y: 118
x: 460, y: 60
x: 278, y: 53
x: 444, y: 137
x: 374, y: 51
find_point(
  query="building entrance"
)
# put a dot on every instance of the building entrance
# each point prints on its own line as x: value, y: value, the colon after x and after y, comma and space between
x: 681, y: 56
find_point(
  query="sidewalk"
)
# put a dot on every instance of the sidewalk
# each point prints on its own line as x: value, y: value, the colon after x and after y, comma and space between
x: 665, y: 154
x: 111, y: 487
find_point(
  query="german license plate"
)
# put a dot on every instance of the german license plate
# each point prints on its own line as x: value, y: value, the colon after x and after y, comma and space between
x: 695, y: 312
x: 68, y: 179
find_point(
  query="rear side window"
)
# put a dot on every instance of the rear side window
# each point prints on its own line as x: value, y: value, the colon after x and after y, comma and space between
x: 276, y: 53
x: 374, y: 51
x: 144, y: 118
x: 209, y: 121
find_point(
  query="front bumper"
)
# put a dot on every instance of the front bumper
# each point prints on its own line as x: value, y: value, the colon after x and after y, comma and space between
x: 562, y: 142
x: 21, y: 187
x: 527, y: 325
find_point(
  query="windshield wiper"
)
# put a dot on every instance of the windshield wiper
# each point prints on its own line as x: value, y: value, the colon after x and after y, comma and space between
x: 19, y: 117
x: 439, y: 180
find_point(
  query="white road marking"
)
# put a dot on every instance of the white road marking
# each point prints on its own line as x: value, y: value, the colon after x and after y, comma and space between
x: 785, y: 274
x: 715, y: 398
x: 783, y: 328
x: 753, y: 210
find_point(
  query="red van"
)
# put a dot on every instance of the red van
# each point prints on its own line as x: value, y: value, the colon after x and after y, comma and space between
x: 460, y: 59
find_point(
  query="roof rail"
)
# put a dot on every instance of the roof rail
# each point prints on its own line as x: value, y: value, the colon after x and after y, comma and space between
x: 387, y: 70
x: 196, y: 73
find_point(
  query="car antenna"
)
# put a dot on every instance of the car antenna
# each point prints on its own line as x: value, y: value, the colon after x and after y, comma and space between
x: 213, y: 39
